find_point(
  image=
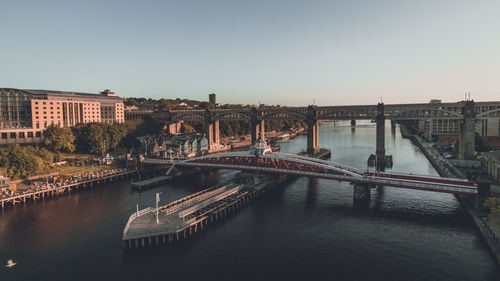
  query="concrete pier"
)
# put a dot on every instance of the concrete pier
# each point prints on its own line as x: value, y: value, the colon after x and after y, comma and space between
x: 361, y: 195
x: 380, y: 132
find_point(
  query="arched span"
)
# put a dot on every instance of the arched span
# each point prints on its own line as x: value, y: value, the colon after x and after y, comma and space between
x: 332, y: 114
x: 276, y: 160
x: 411, y: 112
x: 277, y: 114
x: 187, y: 116
x: 238, y: 115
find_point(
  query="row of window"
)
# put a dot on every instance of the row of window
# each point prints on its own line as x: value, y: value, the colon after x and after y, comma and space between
x: 20, y: 135
x: 36, y: 107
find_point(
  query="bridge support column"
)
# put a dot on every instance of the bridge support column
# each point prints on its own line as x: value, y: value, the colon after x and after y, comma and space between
x: 361, y: 195
x: 212, y: 130
x: 380, y: 138
x: 258, y: 130
x: 466, y: 138
x: 312, y: 131
x: 174, y: 128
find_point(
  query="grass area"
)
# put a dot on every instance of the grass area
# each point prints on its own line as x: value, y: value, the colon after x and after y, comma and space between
x: 77, y: 155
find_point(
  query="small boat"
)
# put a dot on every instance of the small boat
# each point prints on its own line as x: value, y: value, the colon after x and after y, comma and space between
x: 10, y: 263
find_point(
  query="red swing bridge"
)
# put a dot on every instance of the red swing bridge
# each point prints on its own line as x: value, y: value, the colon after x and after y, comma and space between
x: 305, y: 166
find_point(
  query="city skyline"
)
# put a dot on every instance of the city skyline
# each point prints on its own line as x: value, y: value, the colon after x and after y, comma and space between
x: 281, y: 52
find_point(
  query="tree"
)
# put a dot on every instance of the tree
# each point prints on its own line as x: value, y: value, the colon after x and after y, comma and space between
x: 59, y: 139
x: 186, y: 128
x: 493, y: 203
x: 98, y: 138
x: 116, y: 133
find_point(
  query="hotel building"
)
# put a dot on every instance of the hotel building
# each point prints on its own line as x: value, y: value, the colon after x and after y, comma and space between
x: 25, y: 114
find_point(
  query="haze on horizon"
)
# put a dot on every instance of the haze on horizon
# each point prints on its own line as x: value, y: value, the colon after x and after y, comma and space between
x: 275, y: 52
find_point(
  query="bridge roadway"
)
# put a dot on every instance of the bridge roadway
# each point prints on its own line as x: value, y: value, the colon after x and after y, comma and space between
x: 297, y: 165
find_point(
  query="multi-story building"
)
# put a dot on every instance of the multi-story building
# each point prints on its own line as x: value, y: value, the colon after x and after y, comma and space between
x: 25, y: 114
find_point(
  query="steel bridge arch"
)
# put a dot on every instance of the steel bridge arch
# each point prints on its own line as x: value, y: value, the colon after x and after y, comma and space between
x: 294, y: 114
x: 187, y: 116
x: 243, y: 115
x: 398, y: 114
x: 320, y: 164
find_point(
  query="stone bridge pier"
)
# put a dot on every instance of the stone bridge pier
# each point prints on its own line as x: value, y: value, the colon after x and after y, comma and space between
x: 212, y: 131
x: 361, y: 195
x: 174, y: 128
x: 380, y: 138
x: 466, y: 137
x: 257, y: 128
x: 312, y: 130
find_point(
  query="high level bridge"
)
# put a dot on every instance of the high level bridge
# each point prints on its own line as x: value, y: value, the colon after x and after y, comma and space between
x: 298, y: 165
x: 462, y: 114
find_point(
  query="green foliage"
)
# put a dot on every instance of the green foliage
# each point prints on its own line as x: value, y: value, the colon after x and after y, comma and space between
x: 493, y: 203
x: 23, y: 161
x: 100, y: 138
x: 59, y: 139
x: 186, y: 128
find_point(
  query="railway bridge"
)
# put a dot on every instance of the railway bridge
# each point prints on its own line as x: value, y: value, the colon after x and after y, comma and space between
x: 462, y: 114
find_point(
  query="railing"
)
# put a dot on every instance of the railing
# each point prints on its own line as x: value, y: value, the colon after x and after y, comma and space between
x: 208, y: 202
x: 202, y: 197
x: 136, y: 215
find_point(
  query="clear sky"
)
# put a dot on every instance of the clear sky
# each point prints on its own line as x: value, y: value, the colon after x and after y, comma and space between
x: 275, y: 52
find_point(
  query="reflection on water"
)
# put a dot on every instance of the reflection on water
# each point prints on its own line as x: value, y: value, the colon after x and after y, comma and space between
x: 303, y: 230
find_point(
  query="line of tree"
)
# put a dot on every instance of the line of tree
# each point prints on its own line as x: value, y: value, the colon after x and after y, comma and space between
x: 241, y: 128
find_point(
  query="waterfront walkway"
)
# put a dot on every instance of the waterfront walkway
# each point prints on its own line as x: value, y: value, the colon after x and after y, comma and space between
x: 45, y: 189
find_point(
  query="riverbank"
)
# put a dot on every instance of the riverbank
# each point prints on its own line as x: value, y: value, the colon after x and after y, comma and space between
x: 489, y: 230
x: 44, y: 190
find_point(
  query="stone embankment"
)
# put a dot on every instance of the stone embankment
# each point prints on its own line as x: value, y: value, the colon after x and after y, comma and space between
x: 489, y: 229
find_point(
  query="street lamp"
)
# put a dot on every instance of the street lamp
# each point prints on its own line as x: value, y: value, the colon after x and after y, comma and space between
x: 157, y: 201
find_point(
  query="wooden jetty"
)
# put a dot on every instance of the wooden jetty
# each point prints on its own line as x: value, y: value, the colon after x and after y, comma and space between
x: 150, y: 182
x: 180, y: 219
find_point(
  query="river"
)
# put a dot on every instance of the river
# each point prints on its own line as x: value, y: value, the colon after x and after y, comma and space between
x: 306, y: 229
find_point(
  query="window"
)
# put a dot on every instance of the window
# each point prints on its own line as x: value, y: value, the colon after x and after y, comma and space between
x: 51, y: 107
x: 45, y: 112
x: 38, y: 134
x: 30, y: 134
x: 12, y: 135
x: 37, y: 117
x: 51, y: 103
x: 36, y: 107
x: 4, y: 136
x: 36, y: 102
x: 43, y: 102
x: 37, y: 125
x: 21, y: 135
x: 44, y: 107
